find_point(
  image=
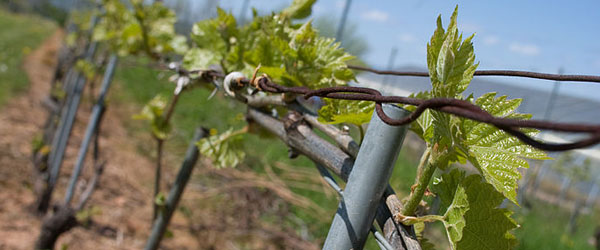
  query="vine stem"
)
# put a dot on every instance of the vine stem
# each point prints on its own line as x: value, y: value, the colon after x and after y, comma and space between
x: 159, y: 153
x: 157, y: 177
x: 424, y: 173
x: 171, y: 107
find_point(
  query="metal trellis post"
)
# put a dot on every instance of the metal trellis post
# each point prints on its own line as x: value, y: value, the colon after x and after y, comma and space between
x: 592, y: 196
x: 367, y: 182
x: 67, y: 115
x: 340, y: 30
x: 163, y: 218
x: 93, y: 123
x: 380, y: 239
x: 61, y: 136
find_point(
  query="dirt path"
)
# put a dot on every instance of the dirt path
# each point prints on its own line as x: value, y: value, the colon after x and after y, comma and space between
x: 121, y: 204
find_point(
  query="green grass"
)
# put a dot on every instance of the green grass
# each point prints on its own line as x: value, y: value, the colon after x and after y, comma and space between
x: 19, y: 35
x: 544, y: 226
x: 139, y: 84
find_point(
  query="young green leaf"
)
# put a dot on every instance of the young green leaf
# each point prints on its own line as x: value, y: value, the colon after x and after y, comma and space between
x: 144, y: 28
x: 293, y: 55
x: 346, y: 111
x: 423, y: 126
x: 160, y: 199
x: 451, y: 67
x: 199, y: 59
x: 450, y: 60
x: 299, y: 9
x: 87, y: 68
x: 153, y: 112
x: 217, y: 35
x: 495, y: 153
x: 224, y: 149
x: 472, y: 219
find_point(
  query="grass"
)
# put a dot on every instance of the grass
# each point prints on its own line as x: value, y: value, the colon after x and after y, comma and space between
x: 544, y: 226
x: 19, y: 35
x: 139, y: 84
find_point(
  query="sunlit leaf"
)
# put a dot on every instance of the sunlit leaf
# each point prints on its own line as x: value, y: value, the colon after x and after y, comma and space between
x: 143, y: 28
x: 345, y: 111
x: 225, y: 149
x: 495, y: 153
x: 451, y: 61
x: 299, y: 9
x: 199, y: 59
x: 472, y: 217
x: 153, y: 112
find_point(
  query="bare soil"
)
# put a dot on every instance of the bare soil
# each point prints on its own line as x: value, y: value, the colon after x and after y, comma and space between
x: 121, y: 206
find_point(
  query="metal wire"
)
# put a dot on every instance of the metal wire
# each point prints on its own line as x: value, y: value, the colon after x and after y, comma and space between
x: 515, y: 73
x: 453, y: 106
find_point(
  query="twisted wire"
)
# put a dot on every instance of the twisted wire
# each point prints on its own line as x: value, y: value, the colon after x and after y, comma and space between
x: 452, y: 106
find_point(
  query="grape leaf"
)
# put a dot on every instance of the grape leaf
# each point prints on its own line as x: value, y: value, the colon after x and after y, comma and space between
x: 308, y: 59
x: 300, y: 55
x: 424, y: 242
x: 199, y: 59
x: 423, y: 126
x: 299, y: 9
x: 450, y: 60
x: 495, y: 153
x: 454, y: 203
x: 293, y: 55
x: 224, y: 149
x: 217, y: 35
x: 472, y: 219
x: 148, y: 28
x: 87, y: 68
x: 153, y: 112
x: 346, y: 111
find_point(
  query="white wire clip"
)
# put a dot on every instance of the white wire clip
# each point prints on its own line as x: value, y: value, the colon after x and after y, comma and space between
x: 231, y: 80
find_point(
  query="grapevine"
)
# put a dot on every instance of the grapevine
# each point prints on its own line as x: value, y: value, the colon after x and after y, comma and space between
x: 277, y: 63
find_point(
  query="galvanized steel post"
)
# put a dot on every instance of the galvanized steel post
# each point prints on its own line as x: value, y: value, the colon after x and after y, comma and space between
x: 367, y: 182
x: 63, y: 131
x: 92, y: 125
x: 162, y: 220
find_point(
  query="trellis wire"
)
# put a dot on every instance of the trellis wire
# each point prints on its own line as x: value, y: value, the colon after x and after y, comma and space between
x: 448, y: 105
x: 514, y: 73
x: 453, y: 106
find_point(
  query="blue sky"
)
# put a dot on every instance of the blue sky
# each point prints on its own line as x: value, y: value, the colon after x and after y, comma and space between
x: 522, y: 35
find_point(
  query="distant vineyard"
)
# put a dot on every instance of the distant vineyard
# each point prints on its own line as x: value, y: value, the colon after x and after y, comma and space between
x: 294, y: 82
